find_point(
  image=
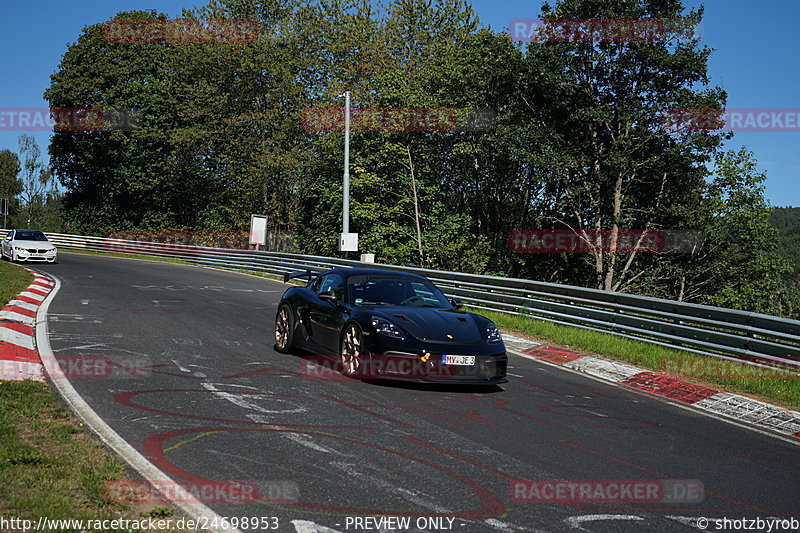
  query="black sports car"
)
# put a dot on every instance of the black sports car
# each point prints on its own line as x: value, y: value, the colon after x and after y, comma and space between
x: 376, y: 324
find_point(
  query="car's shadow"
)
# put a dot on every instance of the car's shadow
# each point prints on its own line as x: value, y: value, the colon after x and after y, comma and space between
x: 436, y: 387
x: 333, y: 374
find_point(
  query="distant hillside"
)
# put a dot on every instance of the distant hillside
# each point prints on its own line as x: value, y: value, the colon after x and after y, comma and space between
x: 787, y: 221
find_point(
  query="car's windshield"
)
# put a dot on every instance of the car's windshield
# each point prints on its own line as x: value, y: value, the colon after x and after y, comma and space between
x: 29, y: 236
x: 395, y: 291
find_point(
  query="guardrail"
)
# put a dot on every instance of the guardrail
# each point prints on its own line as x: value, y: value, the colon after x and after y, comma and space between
x: 738, y: 335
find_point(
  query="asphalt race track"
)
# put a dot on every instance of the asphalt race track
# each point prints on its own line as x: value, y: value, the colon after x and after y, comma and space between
x: 195, y: 385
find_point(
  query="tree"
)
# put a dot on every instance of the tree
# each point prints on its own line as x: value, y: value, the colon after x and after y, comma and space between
x: 215, y: 143
x: 38, y: 184
x: 744, y: 265
x: 612, y: 165
x: 10, y: 184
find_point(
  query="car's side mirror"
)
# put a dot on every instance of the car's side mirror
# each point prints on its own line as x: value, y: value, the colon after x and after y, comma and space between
x: 328, y: 296
x: 456, y: 303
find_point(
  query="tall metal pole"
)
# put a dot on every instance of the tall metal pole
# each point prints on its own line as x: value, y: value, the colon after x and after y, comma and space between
x: 346, y: 198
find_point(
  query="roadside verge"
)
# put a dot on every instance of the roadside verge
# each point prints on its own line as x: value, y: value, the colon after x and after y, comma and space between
x: 19, y: 359
x: 107, y: 435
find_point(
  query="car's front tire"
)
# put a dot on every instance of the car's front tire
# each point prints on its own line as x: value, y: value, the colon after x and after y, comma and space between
x: 284, y: 332
x: 352, y: 350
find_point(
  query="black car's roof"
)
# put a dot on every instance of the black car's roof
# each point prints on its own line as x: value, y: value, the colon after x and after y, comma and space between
x: 350, y: 272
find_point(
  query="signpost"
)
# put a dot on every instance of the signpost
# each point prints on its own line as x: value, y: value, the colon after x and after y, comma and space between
x: 348, y: 242
x: 258, y: 230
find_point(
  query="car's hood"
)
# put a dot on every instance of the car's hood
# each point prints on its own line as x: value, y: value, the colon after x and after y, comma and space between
x: 435, y: 325
x: 41, y: 245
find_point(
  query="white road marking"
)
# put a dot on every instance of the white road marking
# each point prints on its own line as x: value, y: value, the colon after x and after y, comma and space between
x: 20, y: 370
x: 188, y: 342
x: 12, y: 336
x: 74, y: 319
x: 24, y: 305
x: 83, y: 347
x: 306, y: 526
x: 182, y: 368
x: 305, y: 440
x: 16, y: 317
x: 505, y: 526
x: 32, y: 295
x: 239, y: 343
x: 685, y: 520
x: 245, y: 402
x: 575, y: 521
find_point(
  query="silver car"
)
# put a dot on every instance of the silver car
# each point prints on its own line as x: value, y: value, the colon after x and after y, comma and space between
x: 28, y: 245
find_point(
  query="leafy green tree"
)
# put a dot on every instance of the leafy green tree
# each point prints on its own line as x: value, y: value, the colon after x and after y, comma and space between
x: 116, y: 179
x: 787, y: 221
x: 612, y: 165
x: 746, y: 263
x: 738, y: 265
x: 10, y: 184
x: 38, y: 183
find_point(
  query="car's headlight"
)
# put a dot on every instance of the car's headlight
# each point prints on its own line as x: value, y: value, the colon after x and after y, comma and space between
x: 385, y: 327
x: 492, y: 333
x: 17, y: 248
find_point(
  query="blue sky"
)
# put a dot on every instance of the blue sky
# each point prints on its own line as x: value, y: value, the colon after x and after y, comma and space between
x: 755, y: 62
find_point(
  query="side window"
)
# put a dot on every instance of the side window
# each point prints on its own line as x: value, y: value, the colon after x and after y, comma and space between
x: 333, y: 283
x: 11, y: 235
x: 314, y: 285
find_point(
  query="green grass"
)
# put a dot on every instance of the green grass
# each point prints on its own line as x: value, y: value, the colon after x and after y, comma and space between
x: 13, y: 280
x: 773, y: 386
x: 50, y: 465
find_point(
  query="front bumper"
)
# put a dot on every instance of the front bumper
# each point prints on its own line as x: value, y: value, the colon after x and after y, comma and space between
x: 25, y: 255
x: 429, y: 367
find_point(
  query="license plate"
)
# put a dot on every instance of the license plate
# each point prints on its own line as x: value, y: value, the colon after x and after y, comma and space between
x: 459, y: 360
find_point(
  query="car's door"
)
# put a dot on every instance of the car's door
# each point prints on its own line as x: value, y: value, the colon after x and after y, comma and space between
x: 7, y: 242
x: 326, y: 317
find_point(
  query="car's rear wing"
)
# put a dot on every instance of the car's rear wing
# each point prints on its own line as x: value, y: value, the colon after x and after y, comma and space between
x: 294, y: 275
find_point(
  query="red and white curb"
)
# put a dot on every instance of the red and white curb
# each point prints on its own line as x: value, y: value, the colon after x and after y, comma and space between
x: 733, y: 406
x: 19, y: 358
